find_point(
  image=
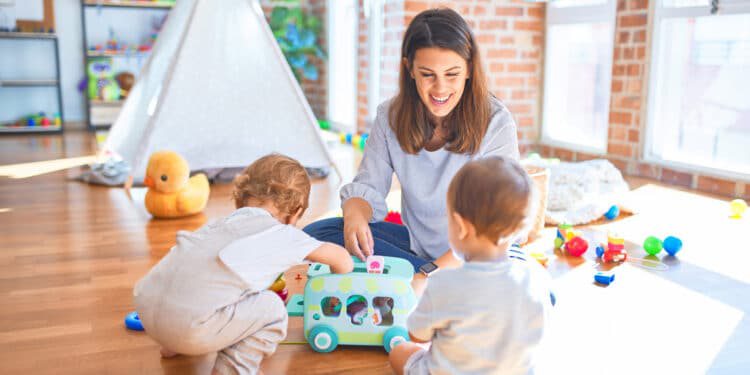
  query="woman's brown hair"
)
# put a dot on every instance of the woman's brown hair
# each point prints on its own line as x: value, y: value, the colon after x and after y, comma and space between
x: 273, y: 178
x: 409, y: 117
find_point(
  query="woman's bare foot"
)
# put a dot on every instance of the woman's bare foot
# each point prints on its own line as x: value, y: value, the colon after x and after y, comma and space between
x: 167, y: 353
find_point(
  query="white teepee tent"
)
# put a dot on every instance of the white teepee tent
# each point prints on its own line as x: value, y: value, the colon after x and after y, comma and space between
x: 217, y: 90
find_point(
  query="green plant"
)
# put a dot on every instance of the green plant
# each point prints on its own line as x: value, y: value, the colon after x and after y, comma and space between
x: 297, y: 35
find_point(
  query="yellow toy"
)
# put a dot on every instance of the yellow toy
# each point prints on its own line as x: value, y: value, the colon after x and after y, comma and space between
x: 737, y: 208
x: 172, y: 193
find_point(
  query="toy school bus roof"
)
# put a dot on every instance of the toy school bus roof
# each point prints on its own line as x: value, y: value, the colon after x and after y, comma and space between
x: 394, y: 267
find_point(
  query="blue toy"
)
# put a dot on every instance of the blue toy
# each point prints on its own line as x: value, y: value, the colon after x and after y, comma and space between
x: 599, y: 251
x: 358, y: 308
x: 672, y: 245
x: 604, y: 277
x: 612, y: 213
x: 132, y: 321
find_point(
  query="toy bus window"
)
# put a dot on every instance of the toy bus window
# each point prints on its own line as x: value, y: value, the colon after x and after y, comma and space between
x: 356, y: 308
x: 383, y: 315
x: 331, y: 306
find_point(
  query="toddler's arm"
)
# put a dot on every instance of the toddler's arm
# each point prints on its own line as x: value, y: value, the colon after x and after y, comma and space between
x: 333, y: 255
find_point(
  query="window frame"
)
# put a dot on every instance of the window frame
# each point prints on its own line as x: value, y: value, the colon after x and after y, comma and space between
x: 577, y: 15
x: 658, y: 12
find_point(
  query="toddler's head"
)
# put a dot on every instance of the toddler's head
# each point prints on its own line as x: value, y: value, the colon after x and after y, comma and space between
x: 277, y: 180
x: 490, y: 200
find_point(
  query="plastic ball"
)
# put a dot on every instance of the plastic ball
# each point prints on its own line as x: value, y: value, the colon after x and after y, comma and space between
x: 576, y: 246
x: 599, y: 251
x: 737, y: 208
x: 612, y: 213
x: 558, y: 242
x: 652, y: 245
x: 672, y: 245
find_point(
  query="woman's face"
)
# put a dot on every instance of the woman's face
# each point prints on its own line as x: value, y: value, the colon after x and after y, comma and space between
x: 440, y: 75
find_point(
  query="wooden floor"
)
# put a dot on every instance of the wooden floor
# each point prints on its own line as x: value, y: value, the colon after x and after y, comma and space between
x: 70, y: 254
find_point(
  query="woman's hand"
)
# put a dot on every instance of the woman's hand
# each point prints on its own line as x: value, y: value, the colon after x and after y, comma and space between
x: 357, y: 234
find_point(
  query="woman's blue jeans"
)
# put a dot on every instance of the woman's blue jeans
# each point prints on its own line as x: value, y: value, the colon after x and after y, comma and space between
x: 390, y: 239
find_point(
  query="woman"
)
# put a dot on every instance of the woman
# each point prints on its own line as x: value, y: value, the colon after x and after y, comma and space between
x: 442, y: 117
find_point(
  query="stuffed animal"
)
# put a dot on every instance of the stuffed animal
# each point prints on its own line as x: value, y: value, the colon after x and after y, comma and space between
x: 171, y: 192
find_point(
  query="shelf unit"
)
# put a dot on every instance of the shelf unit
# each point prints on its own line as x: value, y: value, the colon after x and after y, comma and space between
x: 10, y: 84
x: 101, y: 113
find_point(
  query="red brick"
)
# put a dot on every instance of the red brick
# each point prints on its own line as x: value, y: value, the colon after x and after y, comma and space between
x: 486, y: 39
x: 521, y: 94
x: 622, y: 118
x: 533, y: 81
x: 623, y: 37
x: 617, y: 133
x: 480, y: 10
x: 676, y: 178
x: 634, y: 135
x: 638, y: 4
x: 628, y: 53
x: 501, y: 53
x: 639, y: 36
x: 524, y: 68
x: 640, y: 53
x: 634, y: 86
x: 531, y: 54
x: 497, y: 68
x: 618, y: 70
x: 493, y: 25
x: 524, y: 121
x: 519, y: 109
x: 415, y: 6
x: 563, y: 154
x: 633, y: 20
x: 508, y: 11
x: 619, y: 163
x: 507, y: 40
x: 509, y: 81
x: 716, y: 186
x: 747, y: 191
x: 537, y: 40
x: 580, y: 156
x: 620, y: 149
x: 648, y: 170
x: 616, y: 85
x: 621, y: 5
x: 527, y: 25
x: 536, y: 12
x: 634, y: 70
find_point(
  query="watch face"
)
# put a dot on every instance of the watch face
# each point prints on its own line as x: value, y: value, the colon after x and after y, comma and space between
x: 428, y: 268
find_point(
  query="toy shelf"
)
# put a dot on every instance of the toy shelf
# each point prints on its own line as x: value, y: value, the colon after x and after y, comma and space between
x: 29, y: 83
x: 128, y: 4
x: 34, y: 83
x: 19, y: 35
x: 5, y: 129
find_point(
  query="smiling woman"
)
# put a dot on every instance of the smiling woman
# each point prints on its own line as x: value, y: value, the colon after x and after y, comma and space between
x: 443, y: 117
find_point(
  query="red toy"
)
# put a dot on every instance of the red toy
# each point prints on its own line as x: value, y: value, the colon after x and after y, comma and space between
x: 394, y: 217
x: 576, y: 246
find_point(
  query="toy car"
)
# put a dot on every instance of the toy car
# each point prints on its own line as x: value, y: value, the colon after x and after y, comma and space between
x: 358, y: 308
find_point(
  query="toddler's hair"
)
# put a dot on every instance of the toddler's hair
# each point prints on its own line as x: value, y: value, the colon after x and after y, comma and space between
x: 495, y: 194
x: 273, y: 178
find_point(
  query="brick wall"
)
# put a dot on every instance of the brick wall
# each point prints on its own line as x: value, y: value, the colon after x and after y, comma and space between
x: 627, y: 123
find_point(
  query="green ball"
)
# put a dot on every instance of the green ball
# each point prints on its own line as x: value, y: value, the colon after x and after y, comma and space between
x: 652, y: 245
x: 558, y: 242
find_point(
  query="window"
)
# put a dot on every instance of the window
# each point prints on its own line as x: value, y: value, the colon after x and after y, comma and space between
x: 383, y: 315
x: 578, y: 73
x: 331, y: 306
x: 699, y: 111
x: 356, y: 309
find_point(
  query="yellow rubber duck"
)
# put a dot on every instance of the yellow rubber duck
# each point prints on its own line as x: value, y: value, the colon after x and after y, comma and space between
x: 172, y: 193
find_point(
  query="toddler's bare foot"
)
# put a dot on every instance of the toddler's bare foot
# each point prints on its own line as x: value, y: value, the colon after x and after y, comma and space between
x: 167, y: 353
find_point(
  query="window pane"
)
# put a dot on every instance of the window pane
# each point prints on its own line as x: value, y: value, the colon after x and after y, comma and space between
x: 331, y: 306
x: 383, y: 315
x: 577, y: 83
x: 356, y: 308
x: 702, y: 111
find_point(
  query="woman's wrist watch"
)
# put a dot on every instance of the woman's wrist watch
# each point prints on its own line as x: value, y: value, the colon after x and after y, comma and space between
x: 428, y: 268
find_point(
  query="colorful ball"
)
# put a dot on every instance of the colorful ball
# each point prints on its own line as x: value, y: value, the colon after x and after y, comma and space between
x: 672, y: 245
x: 612, y: 213
x: 652, y: 245
x: 737, y: 208
x: 576, y: 246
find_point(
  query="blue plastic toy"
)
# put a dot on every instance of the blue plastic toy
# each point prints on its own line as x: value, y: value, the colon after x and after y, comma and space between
x: 604, y: 277
x: 358, y: 308
x: 132, y: 321
x: 599, y: 251
x: 612, y: 213
x: 672, y: 245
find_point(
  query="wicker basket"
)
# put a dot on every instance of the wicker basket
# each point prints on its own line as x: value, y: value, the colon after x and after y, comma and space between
x: 540, y: 176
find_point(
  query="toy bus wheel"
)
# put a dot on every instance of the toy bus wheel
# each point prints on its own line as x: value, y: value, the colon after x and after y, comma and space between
x: 393, y: 337
x: 323, y: 339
